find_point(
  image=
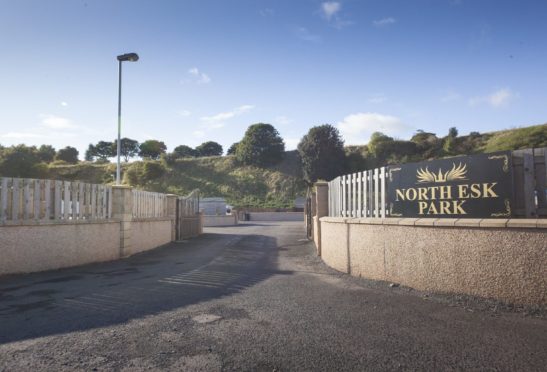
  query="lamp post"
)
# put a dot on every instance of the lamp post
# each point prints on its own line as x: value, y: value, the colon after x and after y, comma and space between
x: 131, y: 57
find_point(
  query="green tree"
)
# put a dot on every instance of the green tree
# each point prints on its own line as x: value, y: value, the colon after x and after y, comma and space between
x: 375, y: 139
x: 46, y: 153
x: 184, y: 151
x: 322, y: 153
x: 68, y: 154
x: 262, y: 145
x: 90, y: 153
x: 450, y: 144
x: 104, y: 150
x: 129, y: 148
x: 232, y: 149
x: 209, y: 148
x: 152, y: 149
x: 21, y: 161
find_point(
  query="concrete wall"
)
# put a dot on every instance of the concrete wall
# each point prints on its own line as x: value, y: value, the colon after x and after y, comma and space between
x: 45, y: 247
x: 277, y: 216
x: 502, y: 259
x: 226, y: 220
x: 149, y: 234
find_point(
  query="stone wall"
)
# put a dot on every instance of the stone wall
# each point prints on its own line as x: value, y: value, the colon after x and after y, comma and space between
x: 501, y: 259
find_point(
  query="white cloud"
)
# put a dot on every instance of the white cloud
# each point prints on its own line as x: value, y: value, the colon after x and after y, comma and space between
x: 499, y: 98
x: 198, y: 76
x: 330, y: 8
x: 222, y: 116
x: 384, y: 22
x: 64, y: 104
x: 56, y: 122
x: 357, y: 128
x: 304, y: 34
x: 22, y: 135
x: 184, y: 113
x: 198, y: 133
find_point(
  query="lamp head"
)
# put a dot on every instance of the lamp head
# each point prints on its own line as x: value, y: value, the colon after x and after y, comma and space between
x: 131, y: 57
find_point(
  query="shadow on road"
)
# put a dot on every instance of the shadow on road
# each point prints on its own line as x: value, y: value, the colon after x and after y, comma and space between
x: 167, y: 278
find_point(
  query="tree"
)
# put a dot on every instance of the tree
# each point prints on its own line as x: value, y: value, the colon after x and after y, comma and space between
x: 46, y: 153
x: 184, y: 151
x: 68, y: 154
x: 104, y: 150
x: 232, y: 149
x: 377, y: 138
x: 450, y: 142
x: 262, y: 145
x: 152, y: 149
x: 21, y: 161
x: 209, y: 148
x: 129, y: 148
x: 90, y: 153
x: 322, y: 153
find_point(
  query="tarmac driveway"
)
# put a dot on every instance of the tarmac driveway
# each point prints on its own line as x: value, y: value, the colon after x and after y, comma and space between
x: 252, y: 297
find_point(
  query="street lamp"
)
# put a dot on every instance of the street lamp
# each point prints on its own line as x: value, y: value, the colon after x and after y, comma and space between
x: 131, y: 57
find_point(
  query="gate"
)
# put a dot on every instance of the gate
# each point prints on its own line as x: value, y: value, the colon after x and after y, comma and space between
x: 188, y: 221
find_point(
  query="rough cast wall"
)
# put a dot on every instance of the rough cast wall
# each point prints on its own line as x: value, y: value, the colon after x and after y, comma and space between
x: 46, y: 247
x: 334, y: 247
x: 277, y: 216
x: 146, y: 235
x: 504, y: 263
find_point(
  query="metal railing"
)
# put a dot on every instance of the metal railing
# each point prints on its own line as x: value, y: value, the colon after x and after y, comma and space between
x: 361, y: 194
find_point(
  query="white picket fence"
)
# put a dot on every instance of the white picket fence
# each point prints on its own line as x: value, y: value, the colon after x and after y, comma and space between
x: 23, y: 199
x: 148, y: 204
x: 361, y: 194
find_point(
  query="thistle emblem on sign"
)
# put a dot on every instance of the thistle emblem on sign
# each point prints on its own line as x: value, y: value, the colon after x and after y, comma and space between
x: 454, y: 174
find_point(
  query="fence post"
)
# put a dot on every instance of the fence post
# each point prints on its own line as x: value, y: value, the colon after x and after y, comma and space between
x: 321, y: 210
x: 122, y: 209
x: 172, y: 214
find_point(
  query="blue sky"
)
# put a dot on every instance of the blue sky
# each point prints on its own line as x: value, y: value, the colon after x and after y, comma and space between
x: 209, y: 69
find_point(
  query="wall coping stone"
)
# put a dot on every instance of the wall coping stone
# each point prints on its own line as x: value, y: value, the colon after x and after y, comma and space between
x: 528, y: 223
x: 425, y: 222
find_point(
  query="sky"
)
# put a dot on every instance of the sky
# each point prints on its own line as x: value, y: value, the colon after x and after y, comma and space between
x: 209, y: 69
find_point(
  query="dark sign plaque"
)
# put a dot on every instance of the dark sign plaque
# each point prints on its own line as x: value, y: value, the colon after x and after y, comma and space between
x: 475, y: 186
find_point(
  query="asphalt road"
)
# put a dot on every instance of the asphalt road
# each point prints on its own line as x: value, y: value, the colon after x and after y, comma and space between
x: 252, y: 298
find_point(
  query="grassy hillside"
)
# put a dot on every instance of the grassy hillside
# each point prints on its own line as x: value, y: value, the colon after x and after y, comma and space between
x: 274, y: 187
x: 279, y: 185
x: 425, y: 146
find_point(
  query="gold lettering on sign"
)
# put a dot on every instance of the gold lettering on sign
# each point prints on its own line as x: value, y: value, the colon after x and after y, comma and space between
x: 446, y: 199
